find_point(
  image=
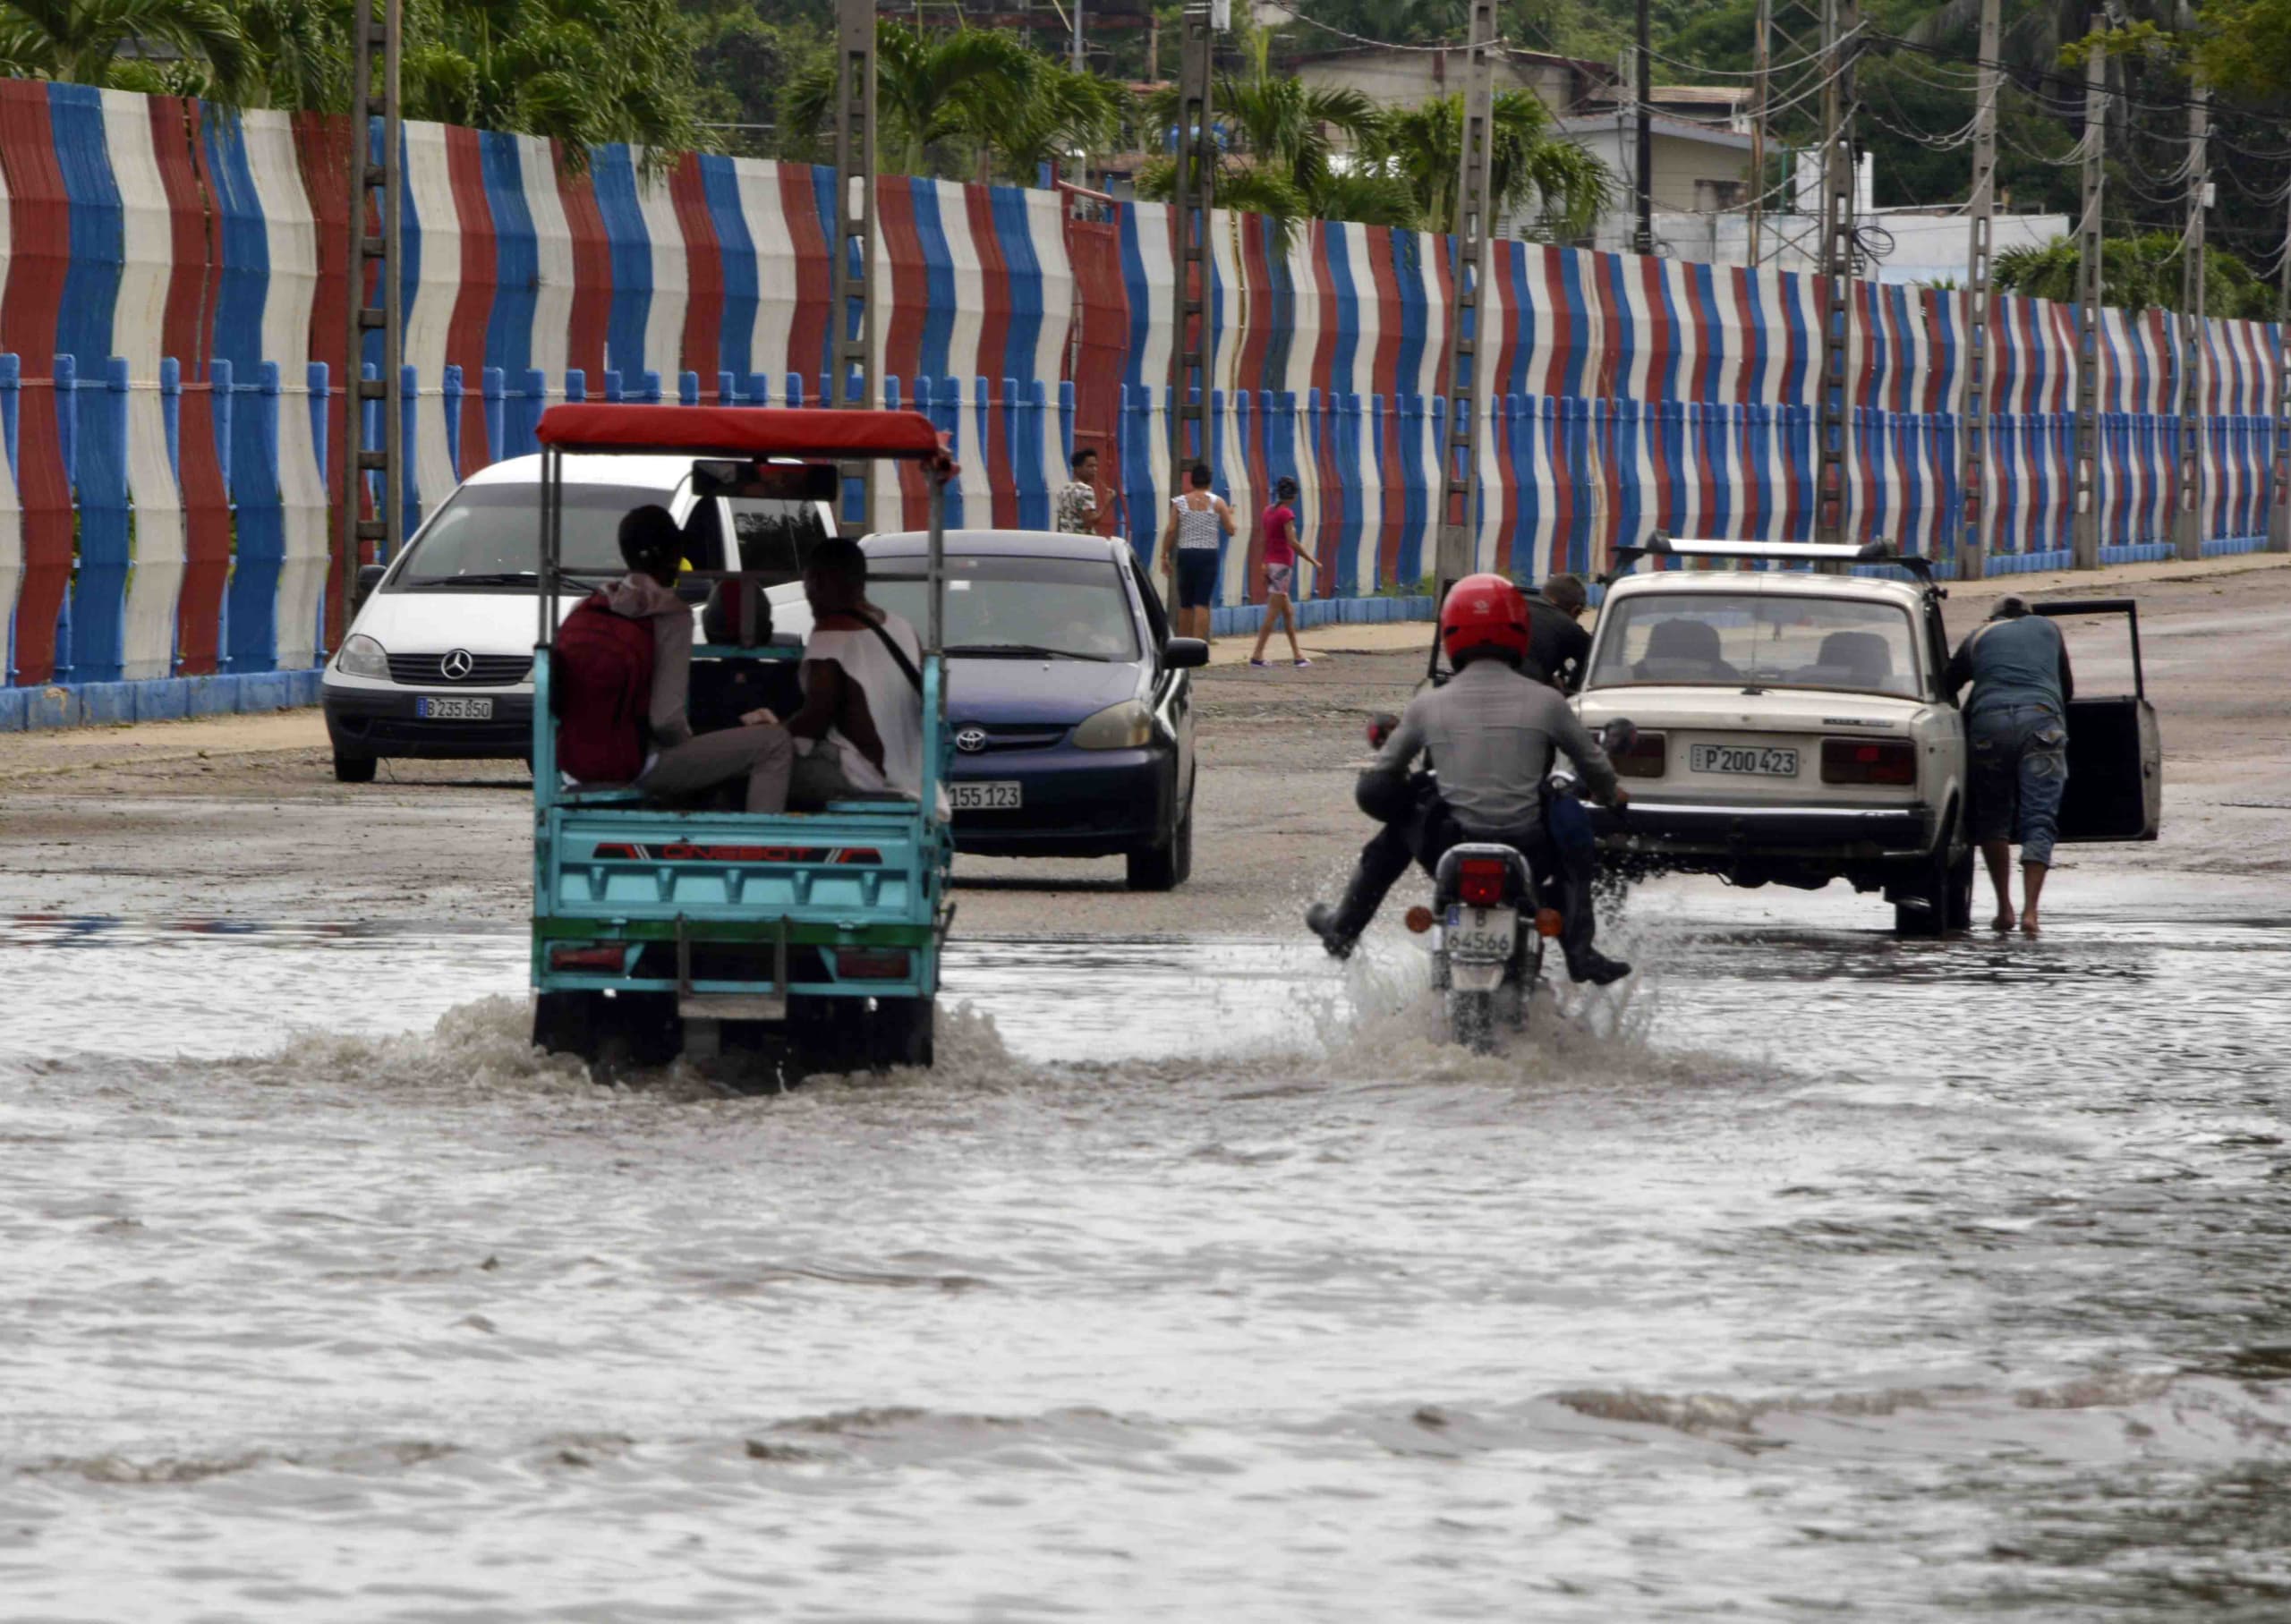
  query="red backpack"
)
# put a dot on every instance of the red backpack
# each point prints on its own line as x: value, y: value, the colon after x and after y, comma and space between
x: 601, y: 690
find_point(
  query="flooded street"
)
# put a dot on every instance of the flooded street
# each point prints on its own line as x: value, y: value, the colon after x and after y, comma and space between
x: 1827, y: 1274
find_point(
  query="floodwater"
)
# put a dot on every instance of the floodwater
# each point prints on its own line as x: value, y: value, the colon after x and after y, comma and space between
x: 1823, y: 1276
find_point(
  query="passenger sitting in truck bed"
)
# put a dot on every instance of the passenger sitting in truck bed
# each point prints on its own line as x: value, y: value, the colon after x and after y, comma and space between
x: 624, y: 664
x: 860, y: 730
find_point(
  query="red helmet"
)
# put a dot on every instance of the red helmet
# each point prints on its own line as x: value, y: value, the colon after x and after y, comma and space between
x: 1484, y: 612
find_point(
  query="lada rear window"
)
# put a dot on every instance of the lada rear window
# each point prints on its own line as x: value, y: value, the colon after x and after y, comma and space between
x: 1756, y: 640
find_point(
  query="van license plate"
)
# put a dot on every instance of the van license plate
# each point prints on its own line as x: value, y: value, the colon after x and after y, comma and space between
x: 999, y: 794
x: 1735, y: 758
x: 455, y: 710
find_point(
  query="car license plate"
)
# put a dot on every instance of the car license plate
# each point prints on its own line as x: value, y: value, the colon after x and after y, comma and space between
x: 1739, y: 758
x: 455, y: 710
x: 1483, y: 934
x: 998, y: 794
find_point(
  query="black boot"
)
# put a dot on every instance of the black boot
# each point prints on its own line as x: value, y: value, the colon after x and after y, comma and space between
x: 1585, y: 963
x: 1383, y: 860
x: 1333, y: 924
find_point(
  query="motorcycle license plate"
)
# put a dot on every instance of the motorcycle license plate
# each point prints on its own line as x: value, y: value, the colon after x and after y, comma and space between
x: 1481, y: 933
x: 1000, y: 794
x: 455, y: 710
x: 1733, y: 758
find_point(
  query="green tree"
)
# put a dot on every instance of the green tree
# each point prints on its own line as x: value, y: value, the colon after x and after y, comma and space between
x: 936, y: 95
x: 581, y: 71
x: 1423, y: 146
x: 742, y: 62
x: 1065, y: 114
x: 2137, y: 274
x: 110, y: 42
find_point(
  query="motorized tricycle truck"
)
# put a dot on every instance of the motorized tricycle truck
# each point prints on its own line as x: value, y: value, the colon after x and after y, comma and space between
x: 810, y: 938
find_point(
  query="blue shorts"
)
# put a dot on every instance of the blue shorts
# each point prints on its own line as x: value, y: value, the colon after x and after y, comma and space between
x: 1196, y: 576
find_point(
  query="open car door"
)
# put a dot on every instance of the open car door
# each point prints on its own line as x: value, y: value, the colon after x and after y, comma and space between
x: 2115, y: 755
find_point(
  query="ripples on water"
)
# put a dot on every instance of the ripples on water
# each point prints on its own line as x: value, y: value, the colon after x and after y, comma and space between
x: 1825, y: 1274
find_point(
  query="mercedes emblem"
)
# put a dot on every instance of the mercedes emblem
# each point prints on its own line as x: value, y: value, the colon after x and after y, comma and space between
x: 457, y: 665
x: 971, y: 740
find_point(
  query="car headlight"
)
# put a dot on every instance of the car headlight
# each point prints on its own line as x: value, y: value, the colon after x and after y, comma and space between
x: 1123, y: 727
x: 361, y: 656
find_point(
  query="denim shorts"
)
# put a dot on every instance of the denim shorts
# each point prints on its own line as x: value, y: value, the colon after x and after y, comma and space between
x: 2019, y: 766
x: 1196, y: 576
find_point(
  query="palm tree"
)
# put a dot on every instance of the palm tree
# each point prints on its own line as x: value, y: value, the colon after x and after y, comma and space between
x: 2137, y: 274
x: 1423, y: 148
x: 929, y: 90
x: 581, y: 72
x: 82, y: 41
x: 1067, y: 112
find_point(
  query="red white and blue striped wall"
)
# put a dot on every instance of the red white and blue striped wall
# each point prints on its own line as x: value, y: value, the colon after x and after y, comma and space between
x: 172, y: 319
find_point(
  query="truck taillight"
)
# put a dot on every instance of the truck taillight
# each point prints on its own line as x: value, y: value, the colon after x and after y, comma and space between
x: 605, y: 956
x: 870, y: 964
x: 1869, y: 761
x: 1643, y: 760
x: 1479, y: 881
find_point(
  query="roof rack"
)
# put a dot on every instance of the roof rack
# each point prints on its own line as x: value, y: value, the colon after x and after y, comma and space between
x: 1664, y: 545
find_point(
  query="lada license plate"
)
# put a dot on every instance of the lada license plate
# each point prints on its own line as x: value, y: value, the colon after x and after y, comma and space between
x: 454, y: 710
x: 1738, y: 758
x: 1483, y: 934
x: 994, y: 794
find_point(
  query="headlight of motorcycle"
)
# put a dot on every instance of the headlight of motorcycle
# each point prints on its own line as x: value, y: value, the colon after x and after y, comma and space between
x: 361, y: 656
x: 1123, y: 727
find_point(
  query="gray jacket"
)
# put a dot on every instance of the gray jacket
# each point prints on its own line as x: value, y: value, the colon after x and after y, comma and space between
x: 1490, y: 734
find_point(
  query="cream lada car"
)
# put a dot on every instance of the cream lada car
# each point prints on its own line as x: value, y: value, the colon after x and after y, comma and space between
x: 1795, y: 727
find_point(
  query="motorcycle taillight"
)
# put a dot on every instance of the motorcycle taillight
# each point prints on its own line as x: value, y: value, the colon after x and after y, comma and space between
x: 1479, y: 881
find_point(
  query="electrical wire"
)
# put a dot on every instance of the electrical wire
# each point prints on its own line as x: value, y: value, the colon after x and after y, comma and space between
x: 2151, y: 103
x: 1298, y: 16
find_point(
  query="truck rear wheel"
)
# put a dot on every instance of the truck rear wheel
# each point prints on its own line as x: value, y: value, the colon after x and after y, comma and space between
x: 899, y: 1032
x: 565, y: 1023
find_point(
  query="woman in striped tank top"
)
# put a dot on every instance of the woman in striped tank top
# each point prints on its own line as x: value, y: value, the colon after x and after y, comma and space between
x: 1200, y: 521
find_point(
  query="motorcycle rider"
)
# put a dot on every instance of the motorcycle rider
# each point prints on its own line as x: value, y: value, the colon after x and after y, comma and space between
x: 1489, y: 734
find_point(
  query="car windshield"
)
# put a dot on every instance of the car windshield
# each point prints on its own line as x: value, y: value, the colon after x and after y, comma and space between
x: 490, y: 535
x: 1007, y: 607
x: 1750, y: 639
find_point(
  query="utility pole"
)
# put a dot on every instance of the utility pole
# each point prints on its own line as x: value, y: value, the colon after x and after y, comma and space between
x: 1972, y: 459
x: 852, y: 343
x: 373, y: 185
x: 1840, y: 26
x: 2188, y: 523
x: 1077, y: 35
x: 1460, y: 533
x: 2278, y: 516
x: 1191, y: 199
x: 1761, y: 64
x: 1643, y: 86
x: 2085, y: 538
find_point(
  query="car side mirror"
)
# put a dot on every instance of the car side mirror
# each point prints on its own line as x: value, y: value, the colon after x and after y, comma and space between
x: 370, y: 576
x: 1185, y: 653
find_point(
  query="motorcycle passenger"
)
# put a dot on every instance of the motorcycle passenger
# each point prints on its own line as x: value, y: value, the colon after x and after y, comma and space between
x: 1489, y: 735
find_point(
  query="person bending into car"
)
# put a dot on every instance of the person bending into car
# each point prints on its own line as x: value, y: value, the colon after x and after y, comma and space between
x: 1489, y: 734
x: 1559, y: 650
x: 2017, y: 726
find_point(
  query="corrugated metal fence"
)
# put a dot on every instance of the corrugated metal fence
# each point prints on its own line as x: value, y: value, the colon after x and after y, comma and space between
x: 172, y: 294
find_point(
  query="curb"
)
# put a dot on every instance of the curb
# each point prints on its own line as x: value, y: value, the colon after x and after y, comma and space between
x: 161, y: 700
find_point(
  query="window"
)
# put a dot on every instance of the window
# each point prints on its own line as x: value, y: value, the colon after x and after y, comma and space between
x: 489, y: 536
x: 777, y: 536
x: 1756, y: 640
x: 1072, y: 608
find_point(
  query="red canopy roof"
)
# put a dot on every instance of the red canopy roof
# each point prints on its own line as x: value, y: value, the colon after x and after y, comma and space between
x: 818, y: 433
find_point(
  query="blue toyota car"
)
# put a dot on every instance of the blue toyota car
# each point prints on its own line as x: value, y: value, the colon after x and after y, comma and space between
x: 1071, y: 704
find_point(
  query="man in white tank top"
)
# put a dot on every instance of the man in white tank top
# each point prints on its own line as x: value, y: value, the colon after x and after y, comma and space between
x: 860, y: 730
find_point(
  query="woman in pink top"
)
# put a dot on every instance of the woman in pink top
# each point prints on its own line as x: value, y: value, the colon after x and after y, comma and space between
x: 1278, y: 525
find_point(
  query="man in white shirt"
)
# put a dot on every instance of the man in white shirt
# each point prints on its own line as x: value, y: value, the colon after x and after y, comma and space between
x: 860, y: 729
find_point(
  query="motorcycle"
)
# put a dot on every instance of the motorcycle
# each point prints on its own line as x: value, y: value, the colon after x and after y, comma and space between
x: 1488, y: 922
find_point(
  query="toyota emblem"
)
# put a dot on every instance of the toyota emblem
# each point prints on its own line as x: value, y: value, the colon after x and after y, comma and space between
x: 457, y: 665
x: 971, y: 740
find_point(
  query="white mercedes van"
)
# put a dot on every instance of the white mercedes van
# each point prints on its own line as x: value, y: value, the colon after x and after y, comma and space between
x: 438, y: 660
